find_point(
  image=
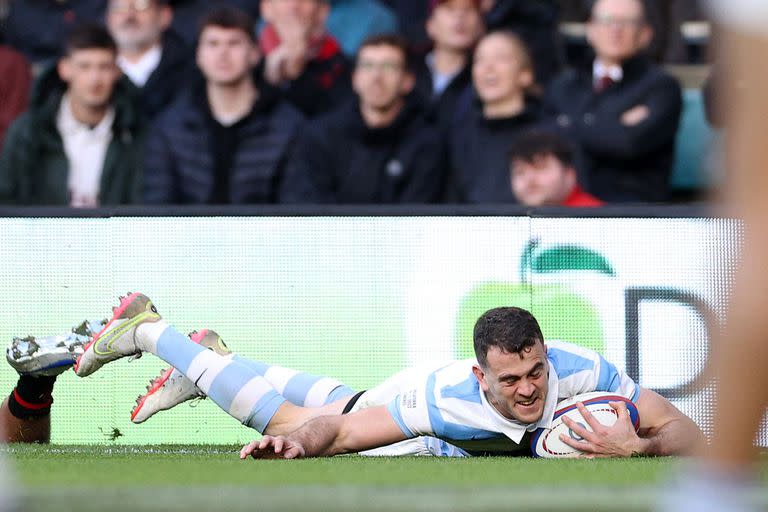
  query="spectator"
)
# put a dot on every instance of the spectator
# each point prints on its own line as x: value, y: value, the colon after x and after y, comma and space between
x: 377, y: 149
x: 301, y: 57
x: 153, y: 58
x: 542, y: 172
x: 352, y: 21
x: 38, y: 28
x: 188, y: 13
x: 623, y: 112
x: 227, y: 139
x: 443, y: 76
x: 14, y: 87
x: 78, y: 143
x: 502, y: 74
x: 537, y: 25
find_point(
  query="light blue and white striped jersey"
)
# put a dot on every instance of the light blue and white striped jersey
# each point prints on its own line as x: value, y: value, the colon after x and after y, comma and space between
x: 447, y: 403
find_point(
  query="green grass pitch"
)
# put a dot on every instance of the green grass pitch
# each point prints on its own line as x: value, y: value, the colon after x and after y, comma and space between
x: 118, y: 478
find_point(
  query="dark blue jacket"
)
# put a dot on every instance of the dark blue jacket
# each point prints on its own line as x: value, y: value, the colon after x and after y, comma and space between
x: 345, y: 161
x: 621, y: 163
x: 179, y: 164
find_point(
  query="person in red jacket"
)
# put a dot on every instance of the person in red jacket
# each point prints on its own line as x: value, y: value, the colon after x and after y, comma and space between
x: 542, y: 172
x: 14, y: 87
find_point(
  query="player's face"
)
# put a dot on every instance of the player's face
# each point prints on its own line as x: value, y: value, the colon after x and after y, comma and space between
x: 516, y: 384
x: 543, y: 182
x: 380, y: 77
x: 617, y: 29
x: 91, y: 75
x: 226, y: 56
x: 497, y: 71
x: 455, y: 24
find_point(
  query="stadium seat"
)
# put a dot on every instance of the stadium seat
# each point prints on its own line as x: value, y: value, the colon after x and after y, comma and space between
x: 693, y: 168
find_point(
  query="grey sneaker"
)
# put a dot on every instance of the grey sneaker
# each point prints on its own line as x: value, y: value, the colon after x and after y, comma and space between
x: 51, y: 355
x: 172, y: 387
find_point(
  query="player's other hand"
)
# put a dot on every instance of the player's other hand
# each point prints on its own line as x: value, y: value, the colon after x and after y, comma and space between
x: 272, y: 447
x: 619, y: 440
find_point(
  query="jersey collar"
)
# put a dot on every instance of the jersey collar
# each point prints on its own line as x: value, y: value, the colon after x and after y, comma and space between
x: 515, y: 430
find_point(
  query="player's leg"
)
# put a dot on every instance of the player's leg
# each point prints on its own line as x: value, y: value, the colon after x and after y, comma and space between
x: 25, y: 416
x: 300, y: 388
x: 740, y: 356
x: 724, y: 478
x: 236, y: 388
x: 172, y: 387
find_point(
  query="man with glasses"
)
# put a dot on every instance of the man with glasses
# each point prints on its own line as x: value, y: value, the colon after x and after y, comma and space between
x: 153, y: 58
x: 379, y: 148
x: 623, y: 112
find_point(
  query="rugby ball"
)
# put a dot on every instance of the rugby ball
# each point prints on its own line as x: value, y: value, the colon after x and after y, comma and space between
x: 546, y: 441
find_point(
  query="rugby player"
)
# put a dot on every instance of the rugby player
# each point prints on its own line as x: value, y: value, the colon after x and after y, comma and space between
x: 486, y: 405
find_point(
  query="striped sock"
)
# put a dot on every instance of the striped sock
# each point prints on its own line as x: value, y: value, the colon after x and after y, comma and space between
x: 235, y: 387
x: 299, y: 388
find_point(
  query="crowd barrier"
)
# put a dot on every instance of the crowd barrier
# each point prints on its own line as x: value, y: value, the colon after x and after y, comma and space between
x: 359, y: 293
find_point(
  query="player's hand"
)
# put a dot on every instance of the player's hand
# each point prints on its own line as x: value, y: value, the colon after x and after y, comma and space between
x: 618, y: 440
x: 269, y: 447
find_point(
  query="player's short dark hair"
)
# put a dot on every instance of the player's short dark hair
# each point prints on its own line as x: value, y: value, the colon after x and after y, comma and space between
x: 510, y: 329
x: 538, y: 143
x: 228, y: 17
x: 393, y: 40
x: 89, y: 36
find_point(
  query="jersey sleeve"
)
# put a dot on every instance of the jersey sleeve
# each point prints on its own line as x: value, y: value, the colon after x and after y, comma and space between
x: 410, y: 410
x: 611, y: 379
x: 748, y: 15
x: 581, y: 370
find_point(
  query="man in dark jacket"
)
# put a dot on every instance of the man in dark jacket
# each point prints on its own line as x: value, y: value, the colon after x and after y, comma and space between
x: 502, y: 74
x: 380, y: 148
x: 79, y: 142
x: 229, y: 139
x: 623, y: 112
x: 301, y: 57
x: 154, y: 59
x: 454, y: 27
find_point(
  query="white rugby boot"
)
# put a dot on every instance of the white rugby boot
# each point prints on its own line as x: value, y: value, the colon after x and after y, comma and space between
x: 118, y: 338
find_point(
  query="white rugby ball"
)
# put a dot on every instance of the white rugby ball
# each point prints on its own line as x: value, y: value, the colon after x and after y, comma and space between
x: 546, y: 442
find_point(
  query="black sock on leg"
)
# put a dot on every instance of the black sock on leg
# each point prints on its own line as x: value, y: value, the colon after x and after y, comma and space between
x: 32, y: 397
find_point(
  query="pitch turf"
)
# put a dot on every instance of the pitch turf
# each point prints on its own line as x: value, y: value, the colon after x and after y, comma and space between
x: 184, y: 478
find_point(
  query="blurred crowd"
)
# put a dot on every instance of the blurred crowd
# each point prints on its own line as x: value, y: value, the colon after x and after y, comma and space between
x: 109, y: 102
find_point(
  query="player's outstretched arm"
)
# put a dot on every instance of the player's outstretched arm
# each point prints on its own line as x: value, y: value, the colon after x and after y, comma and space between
x: 331, y: 435
x: 664, y: 430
